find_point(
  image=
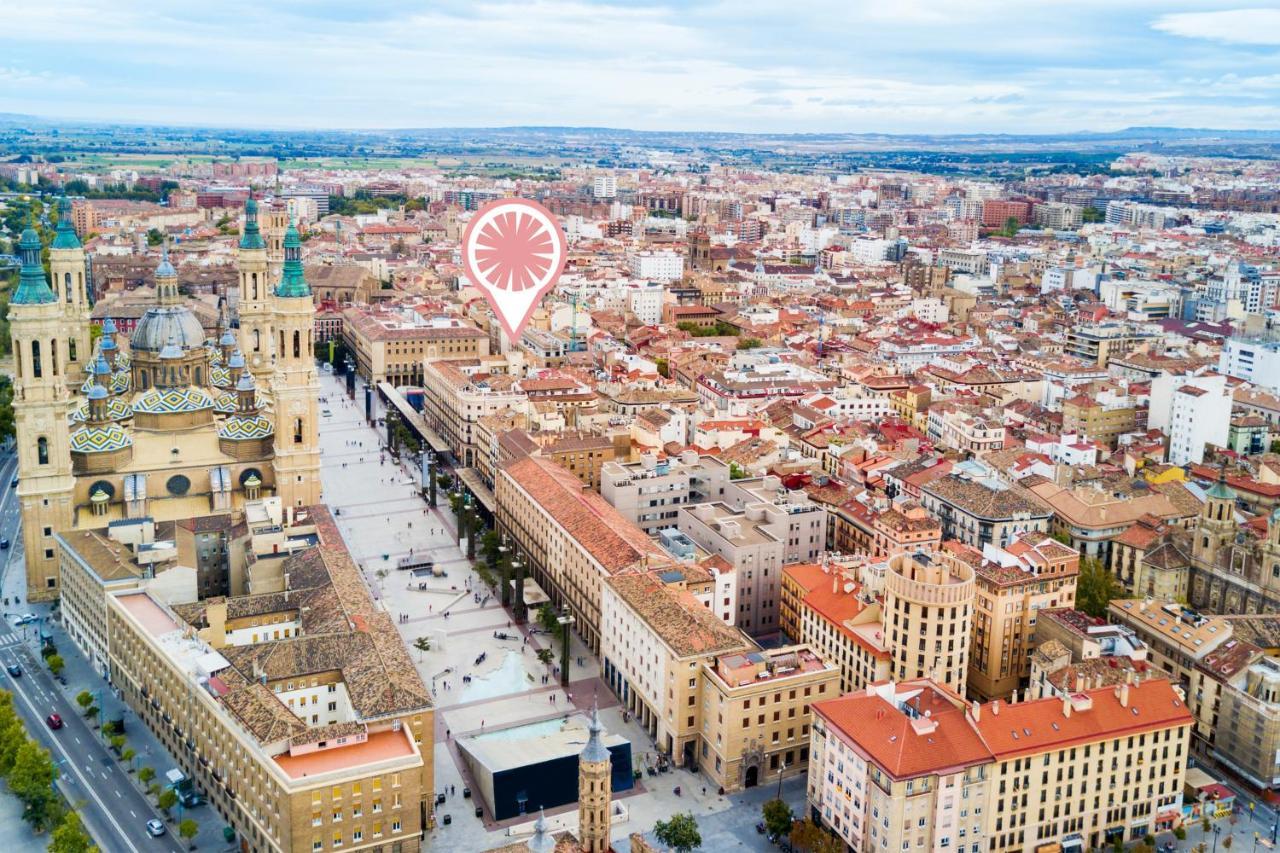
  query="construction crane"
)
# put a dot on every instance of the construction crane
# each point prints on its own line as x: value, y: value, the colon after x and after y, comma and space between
x: 573, y: 322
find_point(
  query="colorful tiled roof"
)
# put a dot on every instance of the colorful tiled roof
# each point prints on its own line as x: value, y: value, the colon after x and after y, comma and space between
x: 225, y: 403
x: 121, y: 381
x: 117, y: 410
x: 100, y: 439
x: 246, y: 427
x: 172, y: 400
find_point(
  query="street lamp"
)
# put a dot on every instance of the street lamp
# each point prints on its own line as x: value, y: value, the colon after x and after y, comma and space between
x: 565, y: 619
x: 504, y: 565
x: 1216, y: 830
x: 519, y: 613
x: 431, y: 477
x: 782, y: 768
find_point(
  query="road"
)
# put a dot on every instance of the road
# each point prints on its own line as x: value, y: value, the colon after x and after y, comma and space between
x: 113, y: 810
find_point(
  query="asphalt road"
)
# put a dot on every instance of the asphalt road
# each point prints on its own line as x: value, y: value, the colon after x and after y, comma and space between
x: 113, y: 810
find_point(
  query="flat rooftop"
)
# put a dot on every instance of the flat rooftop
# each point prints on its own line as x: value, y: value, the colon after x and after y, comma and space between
x: 379, y: 747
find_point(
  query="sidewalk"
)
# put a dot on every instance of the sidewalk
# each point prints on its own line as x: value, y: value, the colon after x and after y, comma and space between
x: 80, y: 676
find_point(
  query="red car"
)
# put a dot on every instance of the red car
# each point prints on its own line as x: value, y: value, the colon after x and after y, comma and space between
x: 54, y: 721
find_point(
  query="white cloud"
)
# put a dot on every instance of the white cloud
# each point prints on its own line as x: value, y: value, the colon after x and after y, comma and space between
x: 1233, y: 26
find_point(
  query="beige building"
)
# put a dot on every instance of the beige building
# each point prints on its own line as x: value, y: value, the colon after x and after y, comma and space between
x: 832, y: 608
x: 651, y: 492
x: 928, y: 609
x: 391, y: 344
x: 298, y: 714
x: 1013, y: 586
x: 459, y: 393
x: 908, y: 765
x: 985, y: 511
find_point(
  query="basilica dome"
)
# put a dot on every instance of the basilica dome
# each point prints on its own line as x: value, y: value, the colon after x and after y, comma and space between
x: 164, y: 323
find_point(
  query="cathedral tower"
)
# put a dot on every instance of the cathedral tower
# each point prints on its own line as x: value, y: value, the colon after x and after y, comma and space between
x: 40, y: 403
x: 1216, y: 526
x: 255, y: 308
x: 66, y: 263
x: 294, y: 387
x: 595, y: 787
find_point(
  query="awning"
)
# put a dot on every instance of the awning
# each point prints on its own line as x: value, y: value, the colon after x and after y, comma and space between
x: 412, y: 418
x: 470, y: 478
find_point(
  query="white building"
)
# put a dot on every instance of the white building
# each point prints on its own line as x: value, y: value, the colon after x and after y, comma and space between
x: 657, y: 266
x: 1255, y: 360
x: 644, y: 300
x: 1193, y: 411
x: 605, y: 186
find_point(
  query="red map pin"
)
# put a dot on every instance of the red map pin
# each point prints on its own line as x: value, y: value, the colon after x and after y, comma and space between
x: 514, y: 251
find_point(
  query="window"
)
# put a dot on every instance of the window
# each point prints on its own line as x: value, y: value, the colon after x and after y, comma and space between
x: 36, y: 368
x: 42, y: 450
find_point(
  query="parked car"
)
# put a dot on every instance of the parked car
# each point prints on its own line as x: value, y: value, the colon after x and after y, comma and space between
x: 13, y: 484
x: 14, y: 670
x: 54, y: 721
x: 155, y: 828
x: 4, y: 544
x: 26, y: 619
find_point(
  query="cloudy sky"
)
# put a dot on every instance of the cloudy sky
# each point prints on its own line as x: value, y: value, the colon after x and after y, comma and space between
x: 741, y: 65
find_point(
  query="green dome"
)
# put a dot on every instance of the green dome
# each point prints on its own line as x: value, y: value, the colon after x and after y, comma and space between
x: 1220, y: 490
x: 66, y: 237
x: 33, y: 287
x: 293, y: 283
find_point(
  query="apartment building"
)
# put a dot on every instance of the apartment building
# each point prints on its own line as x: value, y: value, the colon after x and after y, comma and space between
x: 391, y: 345
x: 304, y: 732
x: 458, y: 393
x: 982, y: 511
x: 1013, y: 585
x: 928, y: 609
x: 1102, y: 417
x: 906, y: 765
x: 832, y: 608
x: 1099, y: 344
x: 650, y: 493
x: 570, y: 538
x: 1193, y: 411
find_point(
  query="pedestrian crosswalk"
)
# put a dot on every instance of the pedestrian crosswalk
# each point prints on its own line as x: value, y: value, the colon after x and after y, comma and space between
x: 10, y: 639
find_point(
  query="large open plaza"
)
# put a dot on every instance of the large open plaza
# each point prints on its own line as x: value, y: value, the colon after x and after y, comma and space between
x: 385, y: 519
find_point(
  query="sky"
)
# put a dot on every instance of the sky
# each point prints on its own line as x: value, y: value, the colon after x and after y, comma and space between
x: 891, y: 66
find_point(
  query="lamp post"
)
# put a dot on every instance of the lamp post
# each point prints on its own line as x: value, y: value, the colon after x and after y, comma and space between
x: 782, y: 768
x: 431, y: 477
x: 519, y: 613
x: 504, y: 567
x: 1216, y: 830
x: 564, y: 620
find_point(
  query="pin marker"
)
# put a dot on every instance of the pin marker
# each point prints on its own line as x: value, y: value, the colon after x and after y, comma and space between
x: 514, y: 251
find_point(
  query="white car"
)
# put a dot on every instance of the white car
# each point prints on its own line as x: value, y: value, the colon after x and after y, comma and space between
x: 155, y: 828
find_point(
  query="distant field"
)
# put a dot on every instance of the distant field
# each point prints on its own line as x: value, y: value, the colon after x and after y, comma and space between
x: 358, y: 163
x: 137, y: 161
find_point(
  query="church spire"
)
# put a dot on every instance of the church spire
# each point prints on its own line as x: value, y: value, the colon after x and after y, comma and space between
x: 293, y: 282
x: 33, y: 287
x: 166, y: 280
x: 252, y: 237
x: 65, y: 238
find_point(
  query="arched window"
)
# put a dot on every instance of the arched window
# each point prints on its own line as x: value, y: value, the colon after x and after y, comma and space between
x: 255, y: 285
x: 297, y: 430
x: 66, y: 286
x: 42, y: 450
x: 297, y: 344
x: 37, y: 370
x: 257, y: 341
x: 53, y: 355
x: 71, y: 349
x: 199, y: 376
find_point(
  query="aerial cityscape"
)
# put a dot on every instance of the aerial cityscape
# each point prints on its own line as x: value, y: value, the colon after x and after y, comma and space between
x: 866, y: 453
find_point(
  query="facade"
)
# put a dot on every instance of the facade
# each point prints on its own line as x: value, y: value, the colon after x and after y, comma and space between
x: 830, y: 608
x: 458, y: 395
x: 1256, y: 360
x: 907, y: 765
x: 1235, y: 568
x: 96, y: 438
x: 1192, y: 411
x: 392, y: 345
x: 1102, y: 343
x: 983, y: 512
x: 650, y: 493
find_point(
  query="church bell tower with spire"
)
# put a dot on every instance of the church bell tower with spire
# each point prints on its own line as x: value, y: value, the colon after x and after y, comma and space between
x: 595, y: 790
x: 66, y: 263
x: 255, y: 308
x: 294, y: 387
x: 40, y: 402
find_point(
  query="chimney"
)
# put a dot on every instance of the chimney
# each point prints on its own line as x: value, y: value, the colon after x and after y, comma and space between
x: 995, y: 707
x: 1123, y: 695
x: 975, y: 711
x: 835, y: 584
x: 1066, y: 704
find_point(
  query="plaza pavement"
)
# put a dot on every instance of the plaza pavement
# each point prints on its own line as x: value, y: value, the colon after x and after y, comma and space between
x: 382, y: 516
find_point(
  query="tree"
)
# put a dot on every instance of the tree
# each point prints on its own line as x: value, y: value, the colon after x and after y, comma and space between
x: 12, y: 734
x: 545, y: 656
x: 55, y: 663
x: 31, y: 781
x: 84, y: 699
x: 1092, y: 214
x: 1096, y: 587
x: 117, y: 743
x: 548, y: 618
x: 146, y: 774
x: 422, y: 644
x: 155, y: 237
x: 69, y: 836
x: 128, y: 755
x: 188, y: 829
x: 749, y: 343
x: 167, y: 800
x: 1011, y: 226
x: 91, y: 712
x: 1226, y: 843
x: 777, y: 817
x: 680, y: 833
x: 1179, y: 833
x: 736, y: 471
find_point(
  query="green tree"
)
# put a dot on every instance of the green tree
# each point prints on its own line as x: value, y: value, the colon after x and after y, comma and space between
x: 1226, y: 843
x: 155, y: 237
x: 749, y: 343
x: 146, y: 774
x: 548, y: 618
x: 1011, y: 226
x: 31, y: 781
x: 1096, y: 587
x: 117, y: 743
x: 680, y: 833
x: 167, y: 800
x: 7, y: 424
x: 1275, y: 446
x: 545, y: 656
x: 12, y: 733
x: 55, y: 663
x: 188, y: 829
x: 84, y: 699
x: 128, y: 755
x: 69, y: 836
x: 422, y: 644
x: 777, y: 817
x: 1092, y: 214
x: 736, y: 471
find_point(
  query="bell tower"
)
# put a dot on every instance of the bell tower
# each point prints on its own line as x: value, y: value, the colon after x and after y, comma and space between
x: 294, y: 387
x: 1217, y: 523
x: 595, y: 789
x: 40, y: 401
x: 255, y: 310
x: 66, y: 263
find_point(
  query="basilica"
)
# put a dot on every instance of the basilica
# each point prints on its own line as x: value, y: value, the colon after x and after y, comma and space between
x: 165, y: 424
